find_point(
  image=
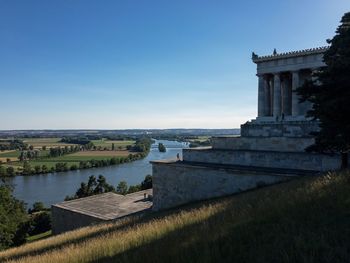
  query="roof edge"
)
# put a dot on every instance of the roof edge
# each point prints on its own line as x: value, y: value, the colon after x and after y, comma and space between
x: 318, y: 50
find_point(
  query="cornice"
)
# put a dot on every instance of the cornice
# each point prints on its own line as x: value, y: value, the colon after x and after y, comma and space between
x: 275, y: 55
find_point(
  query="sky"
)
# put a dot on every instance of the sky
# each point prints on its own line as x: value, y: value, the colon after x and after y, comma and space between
x: 70, y: 64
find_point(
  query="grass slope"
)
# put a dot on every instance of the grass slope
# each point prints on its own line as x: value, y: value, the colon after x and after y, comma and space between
x: 305, y: 220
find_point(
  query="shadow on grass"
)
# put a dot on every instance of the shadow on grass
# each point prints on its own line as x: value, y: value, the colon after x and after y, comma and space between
x: 134, y: 221
x: 275, y: 224
x: 311, y: 229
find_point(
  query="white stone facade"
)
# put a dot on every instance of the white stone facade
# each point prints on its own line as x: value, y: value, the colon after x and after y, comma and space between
x: 271, y: 147
x: 279, y: 76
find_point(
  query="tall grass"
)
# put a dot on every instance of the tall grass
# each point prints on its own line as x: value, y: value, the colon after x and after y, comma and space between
x: 306, y: 220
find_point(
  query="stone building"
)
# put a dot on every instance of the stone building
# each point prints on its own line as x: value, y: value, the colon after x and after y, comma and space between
x: 102, y: 208
x: 271, y: 147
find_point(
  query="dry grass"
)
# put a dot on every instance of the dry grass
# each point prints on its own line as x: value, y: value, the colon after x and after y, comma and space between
x: 305, y: 220
x: 12, y: 159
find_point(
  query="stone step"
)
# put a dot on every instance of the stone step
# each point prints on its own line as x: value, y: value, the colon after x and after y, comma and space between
x: 253, y: 169
x: 282, y: 160
x: 282, y: 144
x: 258, y: 128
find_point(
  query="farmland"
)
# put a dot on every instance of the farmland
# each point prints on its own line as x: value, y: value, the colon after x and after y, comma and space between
x: 101, y: 152
x: 108, y: 143
x: 38, y: 143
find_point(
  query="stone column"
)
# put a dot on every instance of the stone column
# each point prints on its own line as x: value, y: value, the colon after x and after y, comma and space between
x: 267, y: 96
x: 286, y: 96
x: 261, y: 96
x: 277, y: 95
x: 295, y: 97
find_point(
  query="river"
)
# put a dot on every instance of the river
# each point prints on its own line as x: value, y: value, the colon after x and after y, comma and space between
x: 53, y: 187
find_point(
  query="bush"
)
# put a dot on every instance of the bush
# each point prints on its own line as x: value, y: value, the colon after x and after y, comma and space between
x: 40, y: 223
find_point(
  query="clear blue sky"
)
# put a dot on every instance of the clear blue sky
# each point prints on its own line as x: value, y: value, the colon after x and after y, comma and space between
x: 145, y: 64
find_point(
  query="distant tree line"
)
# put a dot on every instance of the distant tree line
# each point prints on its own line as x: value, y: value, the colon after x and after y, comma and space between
x: 76, y: 140
x: 120, y: 138
x: 196, y: 143
x: 28, y: 155
x: 141, y: 145
x: 60, y: 151
x: 29, y: 169
x: 15, y: 144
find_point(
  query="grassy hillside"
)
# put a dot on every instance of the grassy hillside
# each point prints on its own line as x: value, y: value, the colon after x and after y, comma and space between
x: 305, y: 220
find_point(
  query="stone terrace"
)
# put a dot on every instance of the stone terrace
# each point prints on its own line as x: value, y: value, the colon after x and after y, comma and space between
x: 98, y: 208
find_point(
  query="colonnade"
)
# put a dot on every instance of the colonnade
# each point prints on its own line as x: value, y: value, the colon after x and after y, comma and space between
x: 277, y: 96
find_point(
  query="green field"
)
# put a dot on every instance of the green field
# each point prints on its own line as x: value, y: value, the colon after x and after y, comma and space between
x: 13, y: 155
x: 39, y: 236
x: 70, y: 159
x: 201, y: 139
x: 304, y: 220
x: 48, y: 142
x: 106, y: 143
x: 10, y: 153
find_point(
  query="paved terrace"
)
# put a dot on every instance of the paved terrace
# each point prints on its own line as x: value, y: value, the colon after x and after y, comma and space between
x: 109, y: 206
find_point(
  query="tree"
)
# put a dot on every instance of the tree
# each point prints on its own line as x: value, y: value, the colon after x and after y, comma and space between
x: 161, y: 147
x: 37, y: 169
x: 134, y: 188
x: 83, y: 191
x: 44, y: 168
x: 147, y: 183
x: 122, y: 188
x: 10, y: 171
x: 113, y: 147
x: 12, y: 219
x: 102, y: 186
x: 40, y: 223
x: 92, y: 187
x: 330, y: 94
x: 3, y: 171
x: 37, y: 206
x: 26, y: 168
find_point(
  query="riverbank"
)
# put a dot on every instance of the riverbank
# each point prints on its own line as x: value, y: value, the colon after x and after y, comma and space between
x: 53, y: 187
x: 41, y: 160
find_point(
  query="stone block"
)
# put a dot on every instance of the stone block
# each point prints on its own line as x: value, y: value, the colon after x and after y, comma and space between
x: 283, y: 160
x: 175, y: 184
x: 283, y: 144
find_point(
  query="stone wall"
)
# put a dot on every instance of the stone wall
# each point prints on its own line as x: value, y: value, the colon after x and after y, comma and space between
x: 279, y: 129
x: 284, y: 160
x: 175, y: 184
x: 283, y: 144
x: 65, y: 220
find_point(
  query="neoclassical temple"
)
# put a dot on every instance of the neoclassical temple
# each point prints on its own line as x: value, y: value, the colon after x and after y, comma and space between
x: 271, y: 147
x: 279, y: 76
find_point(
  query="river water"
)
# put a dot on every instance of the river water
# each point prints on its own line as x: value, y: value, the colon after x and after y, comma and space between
x: 53, y: 187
